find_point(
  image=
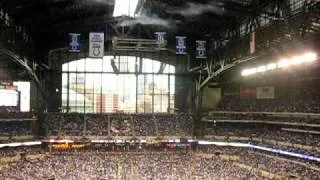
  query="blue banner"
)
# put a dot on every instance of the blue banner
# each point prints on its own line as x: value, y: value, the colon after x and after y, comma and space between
x: 74, y: 42
x: 161, y: 40
x: 201, y: 49
x: 181, y: 45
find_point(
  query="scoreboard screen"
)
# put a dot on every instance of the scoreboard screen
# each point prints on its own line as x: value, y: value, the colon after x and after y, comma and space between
x: 9, y: 97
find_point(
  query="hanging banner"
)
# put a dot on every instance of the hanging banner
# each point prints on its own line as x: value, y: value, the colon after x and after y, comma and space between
x: 74, y: 42
x: 252, y: 42
x: 96, y: 45
x: 161, y: 39
x: 201, y: 49
x: 181, y: 45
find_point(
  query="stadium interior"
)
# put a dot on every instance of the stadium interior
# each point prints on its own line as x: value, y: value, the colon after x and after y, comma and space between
x: 159, y: 89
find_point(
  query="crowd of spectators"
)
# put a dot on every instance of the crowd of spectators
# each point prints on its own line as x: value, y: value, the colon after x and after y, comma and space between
x: 302, y: 119
x: 96, y: 125
x: 276, y: 166
x: 270, y: 133
x: 120, y: 124
x: 72, y: 124
x: 14, y: 123
x: 306, y: 100
x: 14, y: 151
x: 11, y: 113
x: 143, y: 166
x: 174, y: 125
x: 8, y: 109
x: 270, y: 105
x: 145, y: 125
x: 147, y: 165
x: 15, y: 128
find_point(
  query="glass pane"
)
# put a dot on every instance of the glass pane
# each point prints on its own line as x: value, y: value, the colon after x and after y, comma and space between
x: 161, y: 84
x: 122, y: 63
x: 172, y: 69
x: 164, y: 103
x: 65, y: 67
x: 80, y: 92
x: 64, y: 101
x: 147, y: 66
x: 107, y: 64
x: 141, y: 104
x: 172, y: 104
x: 157, y: 103
x: 81, y: 65
x: 73, y: 66
x: 172, y: 84
x: 133, y: 64
x: 127, y: 92
x: 64, y: 82
x: 89, y: 89
x: 167, y: 69
x: 72, y: 82
x: 156, y: 66
x: 110, y: 96
x: 97, y: 101
x: 93, y: 65
x: 141, y: 83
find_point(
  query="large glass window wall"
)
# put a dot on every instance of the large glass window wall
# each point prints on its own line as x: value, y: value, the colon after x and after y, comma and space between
x: 94, y: 86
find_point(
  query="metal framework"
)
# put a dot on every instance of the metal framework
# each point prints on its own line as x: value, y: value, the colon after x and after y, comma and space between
x: 277, y: 30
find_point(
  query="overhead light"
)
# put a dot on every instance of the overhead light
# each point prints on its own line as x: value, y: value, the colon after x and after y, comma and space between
x: 248, y: 72
x: 271, y: 66
x: 261, y: 69
x: 253, y: 71
x: 125, y: 8
x: 283, y: 63
x: 309, y: 57
x: 296, y: 60
x: 244, y: 73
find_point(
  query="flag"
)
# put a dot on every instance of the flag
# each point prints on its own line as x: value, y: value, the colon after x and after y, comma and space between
x: 181, y: 45
x: 252, y: 42
x: 161, y: 39
x: 74, y: 42
x: 96, y: 45
x: 201, y: 49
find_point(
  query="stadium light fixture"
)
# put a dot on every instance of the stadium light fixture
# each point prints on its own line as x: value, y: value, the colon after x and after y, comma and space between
x: 125, y: 8
x: 283, y: 63
x: 296, y: 60
x: 309, y: 57
x: 271, y: 66
x: 261, y: 69
x: 244, y: 73
x: 248, y: 72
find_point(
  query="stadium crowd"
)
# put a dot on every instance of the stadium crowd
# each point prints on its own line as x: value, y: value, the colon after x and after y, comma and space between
x: 303, y: 100
x: 15, y: 128
x: 120, y: 124
x: 147, y: 165
x: 303, y: 119
x: 14, y: 123
x: 268, y: 135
